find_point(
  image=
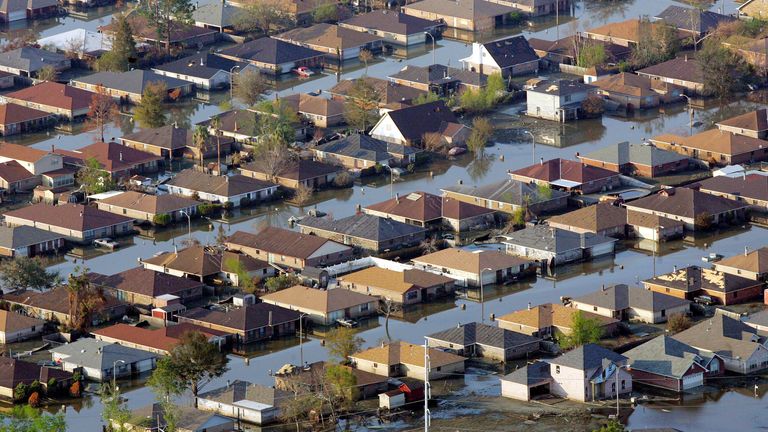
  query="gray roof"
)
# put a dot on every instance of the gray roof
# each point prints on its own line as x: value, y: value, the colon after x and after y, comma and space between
x: 243, y: 390
x: 758, y: 318
x: 587, y: 357
x: 217, y: 13
x: 151, y: 418
x: 201, y: 65
x: 227, y: 185
x: 365, y: 147
x: 100, y: 355
x: 438, y: 74
x: 468, y: 9
x: 482, y: 334
x: 723, y: 335
x: 30, y: 59
x: 666, y: 356
x: 561, y: 87
x: 556, y: 240
x: 620, y: 297
x: 363, y: 226
x: 693, y: 19
x: 416, y: 121
x: 392, y: 22
x: 511, y: 51
x: 641, y: 154
x: 507, y: 191
x: 270, y: 51
x: 132, y: 81
x: 21, y: 236
x: 531, y: 374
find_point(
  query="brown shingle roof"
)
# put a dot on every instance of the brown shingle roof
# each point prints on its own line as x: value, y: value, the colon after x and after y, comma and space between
x: 418, y: 206
x: 593, y: 218
x: 681, y: 68
x: 299, y: 170
x: 55, y: 300
x: 246, y: 318
x: 467, y: 9
x: 756, y: 120
x: 112, y: 157
x: 631, y: 84
x: 54, y: 94
x: 76, y: 217
x: 754, y: 261
x: 279, y: 241
x: 407, y: 354
x: 194, y: 260
x: 752, y: 186
x: 146, y: 282
x: 715, y: 140
x: 11, y: 322
x: 20, y: 152
x: 550, y: 315
x: 631, y: 29
x: 471, y: 261
x: 14, y: 372
x: 391, y: 280
x: 323, y: 301
x: 13, y: 172
x: 314, y: 105
x: 648, y: 220
x: 685, y: 202
x: 555, y: 169
x: 155, y: 204
x: 227, y: 186
x: 328, y: 36
x: 13, y: 113
x: 165, y: 338
x: 388, y: 91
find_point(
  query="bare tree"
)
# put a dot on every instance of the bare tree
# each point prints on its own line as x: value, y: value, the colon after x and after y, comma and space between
x: 102, y: 111
x: 365, y: 57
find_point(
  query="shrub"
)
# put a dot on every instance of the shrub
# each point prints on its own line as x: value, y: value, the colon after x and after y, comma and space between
x: 20, y: 392
x: 343, y: 179
x: 74, y: 389
x: 208, y: 209
x: 281, y: 282
x: 227, y: 206
x: 411, y: 167
x: 161, y: 219
x: 592, y: 106
x: 678, y: 322
x: 34, y: 399
x: 244, y: 202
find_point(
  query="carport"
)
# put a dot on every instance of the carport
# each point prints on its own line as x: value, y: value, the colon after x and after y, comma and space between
x: 528, y: 382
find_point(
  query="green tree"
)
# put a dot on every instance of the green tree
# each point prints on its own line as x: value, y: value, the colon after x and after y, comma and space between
x: 28, y: 419
x: 123, y: 52
x: 658, y: 42
x: 611, y: 426
x: 276, y: 124
x: 244, y: 279
x: 583, y: 331
x: 167, y: 17
x: 281, y: 282
x: 495, y: 89
x: 250, y: 87
x: 164, y: 381
x: 150, y: 112
x: 424, y: 98
x: 724, y: 71
x: 482, y: 130
x: 114, y: 409
x: 591, y: 54
x: 200, y: 139
x: 328, y: 12
x: 93, y: 178
x: 543, y: 192
x: 341, y: 343
x: 262, y: 15
x: 27, y: 273
x: 85, y: 299
x: 361, y: 106
x: 342, y: 385
x: 298, y: 408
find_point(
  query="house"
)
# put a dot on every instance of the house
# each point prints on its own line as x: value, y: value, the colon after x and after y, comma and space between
x: 753, y: 9
x: 28, y: 61
x: 472, y: 15
x: 14, y: 178
x: 76, y: 222
x: 750, y: 189
x: 406, y: 287
x: 467, y: 268
x: 53, y: 305
x: 142, y: 286
x: 669, y: 364
x: 394, y: 27
x: 510, y: 57
x: 693, y: 21
x: 197, y: 262
x: 653, y: 227
x: 625, y: 303
x: 564, y: 50
x: 62, y: 100
x: 249, y: 323
x: 628, y: 33
x: 289, y: 248
x: 7, y: 80
x: 324, y: 307
x: 632, y: 91
x: 753, y: 124
x: 17, y: 119
x: 335, y: 42
x: 220, y: 16
x: 753, y: 264
x: 17, y: 372
x: 716, y: 147
x: 741, y: 346
x: 206, y: 70
x: 537, y: 8
x: 365, y: 231
x: 508, y: 196
x: 390, y: 93
x: 317, y: 110
x: 557, y: 100
x: 439, y: 79
x: 604, y: 219
x: 159, y: 341
x: 401, y: 126
x: 149, y: 208
x: 182, y: 35
x: 171, y: 141
x: 60, y: 180
x: 696, y: 209
x: 587, y: 373
x: 273, y: 56
x: 233, y: 265
x: 431, y: 211
x: 481, y: 340
x: 129, y: 86
x: 117, y: 160
x: 245, y: 401
x: 643, y: 160
x: 33, y: 160
x: 757, y: 320
x: 568, y: 175
x: 98, y: 360
x: 84, y: 44
x: 399, y: 359
x: 151, y: 418
x: 680, y: 71
x: 21, y: 241
x: 238, y: 124
x: 20, y: 10
x: 555, y: 246
x: 551, y: 320
x: 358, y: 151
x: 15, y: 327
x: 310, y: 378
x: 299, y: 12
x: 235, y: 190
x: 693, y: 281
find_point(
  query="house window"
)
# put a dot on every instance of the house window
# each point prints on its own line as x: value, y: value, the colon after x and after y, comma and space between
x: 364, y: 308
x: 613, y: 387
x: 623, y: 384
x: 412, y: 295
x: 375, y: 365
x: 594, y: 308
x: 663, y: 312
x: 557, y: 369
x: 439, y: 368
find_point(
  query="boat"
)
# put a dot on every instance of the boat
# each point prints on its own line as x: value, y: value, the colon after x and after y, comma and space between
x: 455, y: 151
x: 347, y: 323
x: 712, y: 257
x: 303, y: 71
x: 106, y: 242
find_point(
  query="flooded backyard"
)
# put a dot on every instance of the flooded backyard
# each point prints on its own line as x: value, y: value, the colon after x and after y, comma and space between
x: 709, y: 410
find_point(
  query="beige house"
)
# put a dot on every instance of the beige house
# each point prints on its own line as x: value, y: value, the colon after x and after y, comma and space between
x: 145, y: 208
x: 76, y: 222
x: 15, y: 327
x: 400, y: 359
x: 303, y: 172
x: 750, y: 265
x: 403, y: 287
x: 322, y: 306
x: 471, y: 15
x: 467, y: 268
x: 550, y: 319
x: 624, y: 303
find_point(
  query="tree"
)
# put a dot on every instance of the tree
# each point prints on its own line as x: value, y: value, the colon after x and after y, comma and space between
x: 215, y: 125
x: 328, y: 12
x: 658, y: 42
x: 102, y: 110
x: 365, y: 55
x: 150, y: 112
x: 341, y: 385
x: 298, y: 409
x: 244, y: 279
x: 592, y: 106
x: 424, y: 98
x: 250, y: 87
x: 27, y: 273
x: 611, y: 426
x: 200, y: 140
x: 703, y: 220
x: 281, y: 282
x: 123, y: 52
x: 543, y: 192
x: 167, y: 16
x: 164, y: 381
x: 93, y: 178
x: 47, y: 73
x: 361, y: 107
x: 303, y: 194
x: 275, y: 125
x: 342, y: 342
x: 85, y: 299
x: 262, y: 15
x: 114, y: 410
x: 678, y: 322
x: 590, y: 53
x: 28, y: 419
x: 482, y: 130
x: 583, y: 331
x: 723, y: 70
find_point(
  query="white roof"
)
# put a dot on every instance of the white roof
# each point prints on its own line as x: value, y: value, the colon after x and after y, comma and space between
x: 565, y: 183
x: 728, y: 170
x: 256, y: 406
x: 78, y: 40
x: 105, y: 195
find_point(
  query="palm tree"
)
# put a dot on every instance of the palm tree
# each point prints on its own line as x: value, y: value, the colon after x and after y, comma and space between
x: 200, y: 141
x: 216, y: 126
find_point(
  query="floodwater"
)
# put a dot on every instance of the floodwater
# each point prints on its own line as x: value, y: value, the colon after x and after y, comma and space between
x: 633, y: 263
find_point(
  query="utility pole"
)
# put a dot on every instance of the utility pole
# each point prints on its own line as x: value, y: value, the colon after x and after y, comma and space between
x: 427, y: 390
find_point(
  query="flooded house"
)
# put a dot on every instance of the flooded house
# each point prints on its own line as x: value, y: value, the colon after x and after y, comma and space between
x: 555, y: 246
x: 626, y: 303
x: 693, y: 281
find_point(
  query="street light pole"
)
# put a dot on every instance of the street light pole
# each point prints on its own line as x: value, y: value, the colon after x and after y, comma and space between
x: 114, y: 373
x: 482, y: 300
x: 231, y: 72
x: 433, y: 45
x: 301, y: 340
x: 189, y: 222
x: 657, y: 231
x: 533, y: 146
x: 690, y: 114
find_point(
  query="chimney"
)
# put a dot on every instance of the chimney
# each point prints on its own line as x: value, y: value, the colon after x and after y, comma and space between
x: 583, y: 240
x: 270, y: 319
x: 53, y: 148
x: 686, y: 57
x: 746, y: 250
x: 397, y: 198
x: 541, y: 161
x: 603, y: 288
x: 674, y: 269
x: 201, y: 62
x: 529, y: 305
x: 175, y: 249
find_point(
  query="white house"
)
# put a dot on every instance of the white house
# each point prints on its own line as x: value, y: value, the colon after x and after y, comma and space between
x: 245, y: 401
x: 558, y: 100
x: 98, y: 358
x: 236, y: 189
x: 512, y: 56
x: 33, y: 160
x: 206, y: 70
